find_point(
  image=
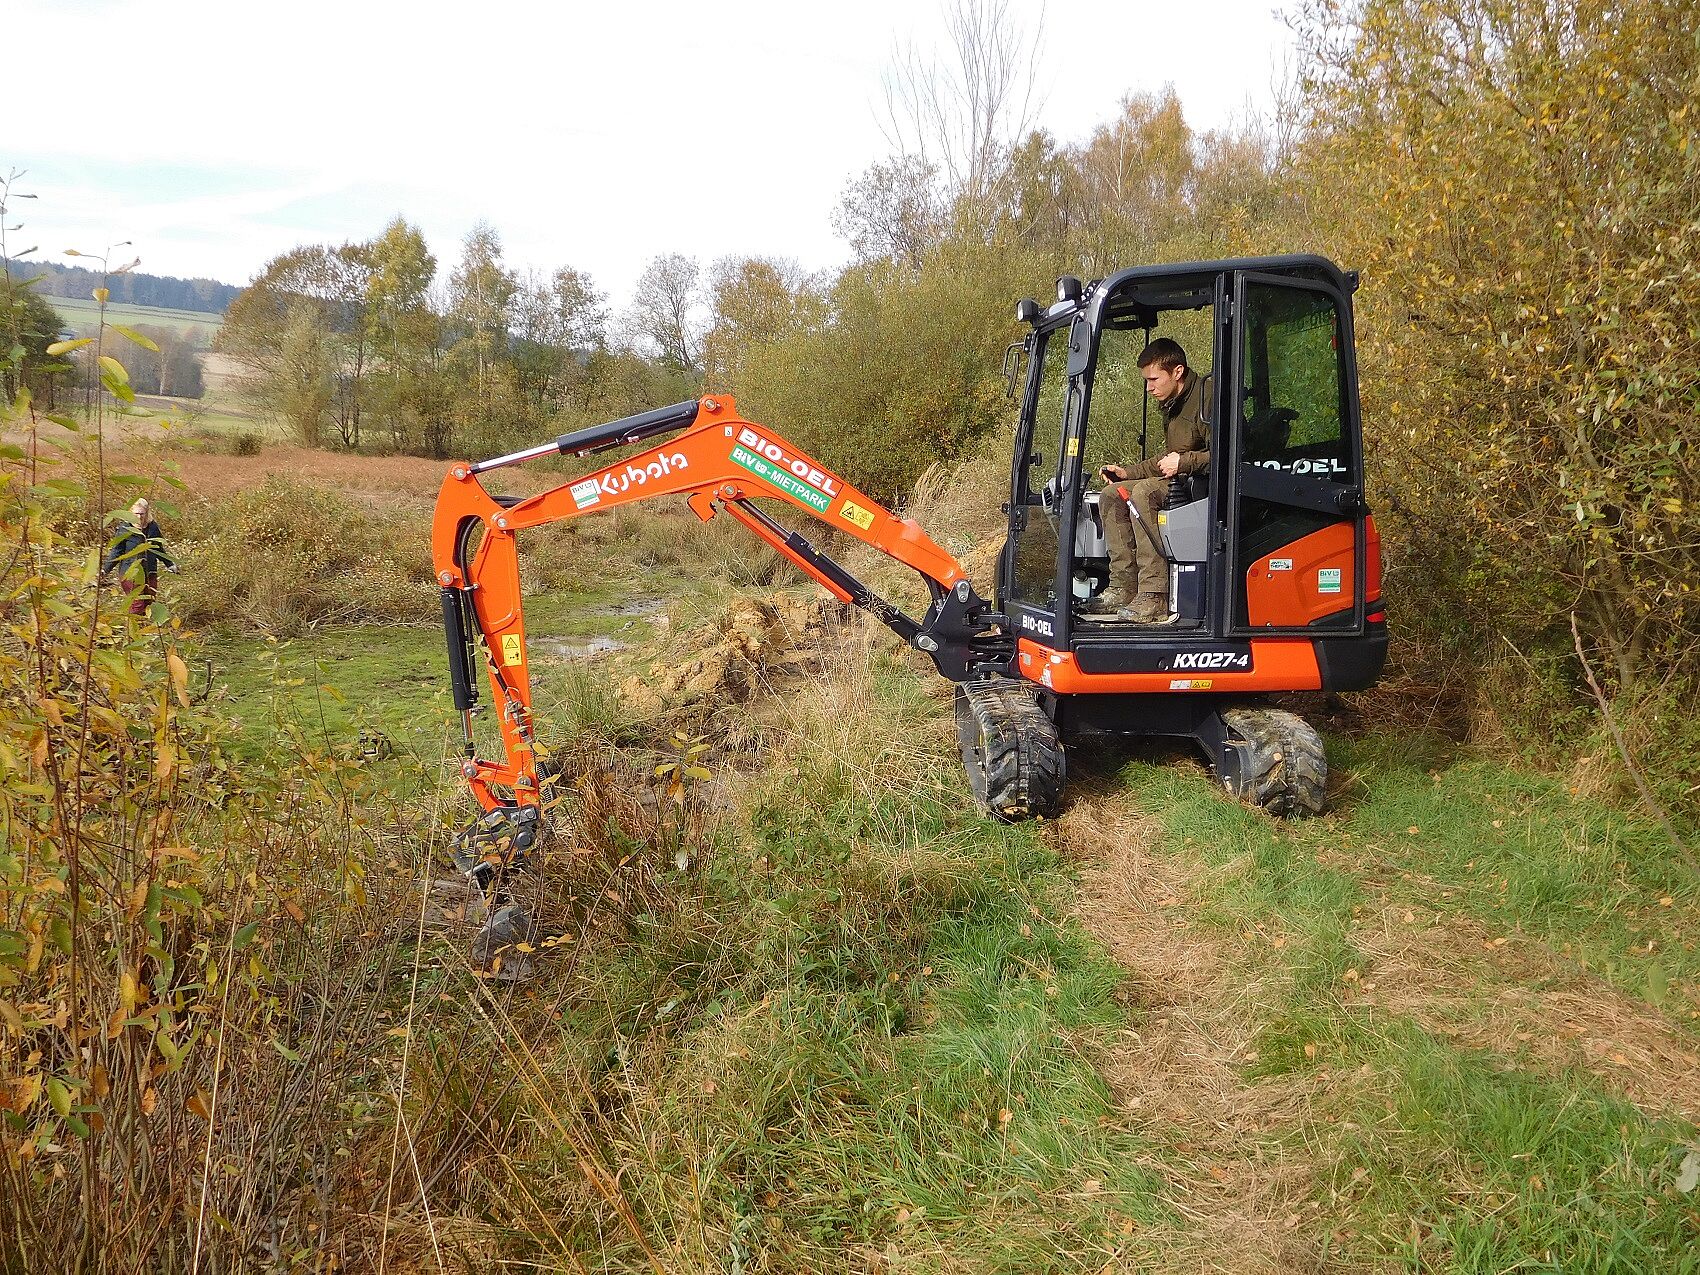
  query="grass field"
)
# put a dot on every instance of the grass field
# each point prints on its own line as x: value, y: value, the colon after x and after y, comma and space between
x: 813, y: 1012
x: 84, y: 312
x: 1452, y: 1026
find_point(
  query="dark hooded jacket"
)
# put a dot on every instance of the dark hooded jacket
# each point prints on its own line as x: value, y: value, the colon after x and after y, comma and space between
x: 129, y: 545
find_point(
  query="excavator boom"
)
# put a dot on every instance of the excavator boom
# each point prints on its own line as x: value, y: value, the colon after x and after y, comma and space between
x: 719, y: 463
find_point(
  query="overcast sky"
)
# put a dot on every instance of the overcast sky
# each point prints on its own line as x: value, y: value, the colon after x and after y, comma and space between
x: 216, y: 135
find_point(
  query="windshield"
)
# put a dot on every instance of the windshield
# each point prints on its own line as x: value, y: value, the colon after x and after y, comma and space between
x: 1034, y: 575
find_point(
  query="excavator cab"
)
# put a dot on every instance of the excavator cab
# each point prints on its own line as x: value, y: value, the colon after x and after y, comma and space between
x: 1273, y: 563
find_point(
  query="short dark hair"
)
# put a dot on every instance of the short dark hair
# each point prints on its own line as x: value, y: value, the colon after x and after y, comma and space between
x: 1163, y: 351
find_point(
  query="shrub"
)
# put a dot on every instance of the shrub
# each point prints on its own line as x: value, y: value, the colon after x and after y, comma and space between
x: 286, y: 557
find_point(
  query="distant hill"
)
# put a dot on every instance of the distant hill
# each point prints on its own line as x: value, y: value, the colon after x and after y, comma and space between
x: 203, y: 296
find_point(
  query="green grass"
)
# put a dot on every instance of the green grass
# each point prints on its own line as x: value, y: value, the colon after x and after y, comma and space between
x: 85, y: 312
x: 1465, y: 1163
x: 1439, y: 1156
x: 332, y: 684
x: 863, y: 1024
x: 1510, y: 849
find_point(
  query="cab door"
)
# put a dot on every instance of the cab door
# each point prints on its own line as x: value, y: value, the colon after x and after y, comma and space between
x: 1033, y: 567
x: 1296, y: 526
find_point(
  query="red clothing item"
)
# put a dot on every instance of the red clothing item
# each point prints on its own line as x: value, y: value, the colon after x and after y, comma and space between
x: 140, y: 592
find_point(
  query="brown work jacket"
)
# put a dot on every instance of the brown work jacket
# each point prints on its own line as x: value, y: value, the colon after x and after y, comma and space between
x: 1186, y: 429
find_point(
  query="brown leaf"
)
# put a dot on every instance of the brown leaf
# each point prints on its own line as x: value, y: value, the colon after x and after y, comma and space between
x: 200, y: 1104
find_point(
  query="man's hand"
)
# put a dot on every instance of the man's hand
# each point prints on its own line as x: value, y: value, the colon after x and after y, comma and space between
x: 1113, y: 473
x: 1170, y: 465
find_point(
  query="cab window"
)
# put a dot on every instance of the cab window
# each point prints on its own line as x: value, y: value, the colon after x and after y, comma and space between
x: 1293, y: 392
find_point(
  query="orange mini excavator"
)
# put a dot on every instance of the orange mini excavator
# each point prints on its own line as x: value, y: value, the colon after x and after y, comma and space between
x: 1273, y: 561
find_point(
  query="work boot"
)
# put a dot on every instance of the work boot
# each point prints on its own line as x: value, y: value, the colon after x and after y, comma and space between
x: 1108, y: 603
x: 1148, y: 608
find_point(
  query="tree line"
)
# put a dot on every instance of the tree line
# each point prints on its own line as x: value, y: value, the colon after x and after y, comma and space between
x: 357, y: 344
x: 50, y: 279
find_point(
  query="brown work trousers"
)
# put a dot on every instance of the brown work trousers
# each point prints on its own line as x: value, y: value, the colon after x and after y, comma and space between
x: 1134, y: 555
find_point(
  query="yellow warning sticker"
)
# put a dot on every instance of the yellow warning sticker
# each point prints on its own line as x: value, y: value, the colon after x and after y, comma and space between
x: 852, y: 512
x: 511, y: 649
x: 1074, y: 446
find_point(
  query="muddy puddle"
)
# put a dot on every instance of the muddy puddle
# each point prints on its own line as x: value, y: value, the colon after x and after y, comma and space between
x: 584, y: 648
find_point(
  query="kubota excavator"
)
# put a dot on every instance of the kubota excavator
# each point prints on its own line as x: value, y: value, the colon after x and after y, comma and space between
x: 1274, y: 563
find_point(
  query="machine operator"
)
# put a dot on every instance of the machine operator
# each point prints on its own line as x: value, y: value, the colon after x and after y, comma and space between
x: 1138, y: 592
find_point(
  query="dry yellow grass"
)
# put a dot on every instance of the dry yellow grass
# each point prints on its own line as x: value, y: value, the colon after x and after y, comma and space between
x: 1461, y: 981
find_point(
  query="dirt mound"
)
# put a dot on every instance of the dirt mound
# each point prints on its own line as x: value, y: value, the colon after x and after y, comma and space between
x: 722, y: 662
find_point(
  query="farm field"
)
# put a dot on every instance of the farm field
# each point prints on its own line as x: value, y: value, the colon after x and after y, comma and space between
x: 84, y: 312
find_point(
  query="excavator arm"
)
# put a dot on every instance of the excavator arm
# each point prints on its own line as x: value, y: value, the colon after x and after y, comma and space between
x: 720, y: 463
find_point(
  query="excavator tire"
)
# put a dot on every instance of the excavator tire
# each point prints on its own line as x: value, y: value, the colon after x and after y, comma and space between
x: 1010, y: 749
x: 1274, y: 761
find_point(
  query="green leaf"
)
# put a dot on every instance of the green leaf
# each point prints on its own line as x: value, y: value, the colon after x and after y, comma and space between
x: 59, y: 1096
x: 286, y: 1051
x: 72, y: 252
x: 65, y: 422
x: 65, y: 347
x: 244, y: 936
x: 114, y: 369
x: 135, y: 336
